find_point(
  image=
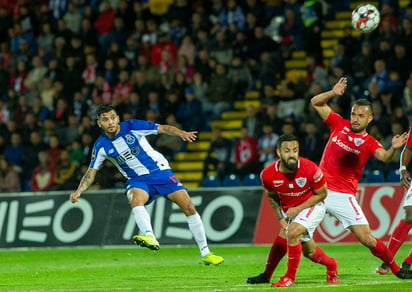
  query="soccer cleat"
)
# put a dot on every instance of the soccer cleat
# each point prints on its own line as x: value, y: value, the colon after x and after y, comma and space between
x: 406, y: 266
x: 382, y: 269
x: 284, y: 282
x: 146, y: 241
x: 211, y: 259
x: 332, y: 275
x: 259, y: 279
x: 404, y: 274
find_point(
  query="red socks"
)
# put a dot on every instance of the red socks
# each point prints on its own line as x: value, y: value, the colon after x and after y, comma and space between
x: 294, y: 254
x: 399, y: 235
x: 382, y: 252
x: 277, y: 252
x: 320, y: 257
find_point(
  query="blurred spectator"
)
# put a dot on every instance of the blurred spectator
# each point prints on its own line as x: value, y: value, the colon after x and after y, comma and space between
x: 42, y: 178
x: 270, y: 116
x: 73, y: 17
x: 291, y: 30
x: 135, y: 105
x: 291, y: 104
x: 163, y: 43
x: 46, y: 38
x: 218, y: 154
x: 189, y: 113
x: 312, y: 142
x: 340, y: 58
x: 219, y: 93
x: 36, y: 74
x: 169, y: 145
x: 18, y: 78
x: 30, y: 154
x: 362, y: 65
x: 246, y: 154
x: 187, y: 49
x: 67, y: 174
x: 253, y: 122
x: 14, y: 150
x: 260, y: 42
x: 222, y: 49
x: 54, y: 150
x: 9, y: 178
x: 349, y: 42
x: 312, y: 17
x: 240, y: 75
x: 104, y: 24
x: 199, y: 86
x: 124, y: 86
x: 182, y: 66
x: 380, y: 74
x: 267, y: 145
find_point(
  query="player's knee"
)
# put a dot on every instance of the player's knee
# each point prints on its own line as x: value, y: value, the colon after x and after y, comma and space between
x: 293, y: 234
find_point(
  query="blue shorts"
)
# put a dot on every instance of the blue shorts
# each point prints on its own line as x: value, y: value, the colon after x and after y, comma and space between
x: 160, y: 183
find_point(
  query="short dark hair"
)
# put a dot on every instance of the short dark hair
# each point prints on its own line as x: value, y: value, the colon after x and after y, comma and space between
x: 286, y: 138
x: 364, y: 102
x: 104, y: 108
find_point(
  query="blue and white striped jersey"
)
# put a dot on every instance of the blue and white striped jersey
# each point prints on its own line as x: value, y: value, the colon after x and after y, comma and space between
x: 129, y: 150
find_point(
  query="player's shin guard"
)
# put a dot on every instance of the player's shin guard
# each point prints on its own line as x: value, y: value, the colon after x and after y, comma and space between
x: 382, y: 252
x: 277, y: 252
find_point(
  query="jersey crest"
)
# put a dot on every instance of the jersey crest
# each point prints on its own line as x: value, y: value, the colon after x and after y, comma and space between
x: 301, y: 181
x: 358, y: 141
x: 130, y: 139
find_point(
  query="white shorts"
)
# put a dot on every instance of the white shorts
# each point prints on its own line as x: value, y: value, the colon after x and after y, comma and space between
x: 345, y: 208
x: 310, y: 218
x: 408, y: 197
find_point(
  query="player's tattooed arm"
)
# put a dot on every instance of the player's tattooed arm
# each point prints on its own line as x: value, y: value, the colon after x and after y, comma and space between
x: 275, y: 203
x: 86, y: 181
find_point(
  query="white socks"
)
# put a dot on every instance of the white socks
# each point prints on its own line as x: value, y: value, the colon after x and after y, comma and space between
x: 142, y: 218
x: 198, y: 231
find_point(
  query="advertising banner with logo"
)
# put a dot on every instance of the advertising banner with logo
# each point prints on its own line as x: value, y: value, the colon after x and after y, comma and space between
x: 105, y: 218
x: 382, y: 205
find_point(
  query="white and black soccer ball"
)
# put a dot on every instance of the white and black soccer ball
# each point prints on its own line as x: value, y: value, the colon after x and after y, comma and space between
x: 365, y: 18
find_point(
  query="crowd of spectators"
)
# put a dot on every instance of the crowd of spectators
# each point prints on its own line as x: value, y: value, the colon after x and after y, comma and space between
x: 181, y: 62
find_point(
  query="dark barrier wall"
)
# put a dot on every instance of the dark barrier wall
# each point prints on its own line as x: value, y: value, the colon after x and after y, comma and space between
x: 105, y: 218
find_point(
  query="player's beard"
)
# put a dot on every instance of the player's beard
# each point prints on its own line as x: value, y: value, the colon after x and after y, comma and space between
x: 358, y: 130
x: 290, y: 164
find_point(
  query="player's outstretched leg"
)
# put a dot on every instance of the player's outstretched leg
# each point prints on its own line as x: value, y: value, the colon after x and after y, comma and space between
x: 148, y: 241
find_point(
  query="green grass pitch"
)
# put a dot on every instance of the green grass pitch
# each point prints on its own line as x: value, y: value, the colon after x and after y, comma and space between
x: 175, y: 268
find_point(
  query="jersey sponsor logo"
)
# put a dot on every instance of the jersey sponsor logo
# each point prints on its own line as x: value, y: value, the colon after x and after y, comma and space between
x: 301, y: 181
x: 130, y: 139
x: 345, y: 147
x: 129, y: 154
x: 277, y: 183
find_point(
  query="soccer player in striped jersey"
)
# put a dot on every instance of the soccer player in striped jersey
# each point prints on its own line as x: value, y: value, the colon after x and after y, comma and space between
x: 296, y: 189
x: 147, y: 172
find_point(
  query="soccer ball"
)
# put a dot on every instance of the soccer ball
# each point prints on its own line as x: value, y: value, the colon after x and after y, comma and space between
x: 365, y: 18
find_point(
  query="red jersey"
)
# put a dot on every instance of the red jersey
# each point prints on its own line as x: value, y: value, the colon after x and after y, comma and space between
x: 409, y: 141
x: 345, y: 155
x: 293, y: 188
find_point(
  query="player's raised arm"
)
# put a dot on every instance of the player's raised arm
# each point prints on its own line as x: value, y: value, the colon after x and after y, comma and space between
x: 85, y: 183
x: 320, y: 101
x: 172, y: 130
x: 387, y: 155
